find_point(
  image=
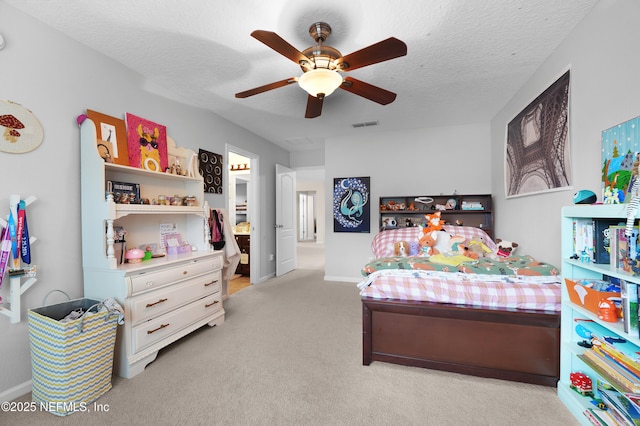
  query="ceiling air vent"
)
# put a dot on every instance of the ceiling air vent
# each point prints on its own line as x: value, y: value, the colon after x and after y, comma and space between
x: 365, y: 124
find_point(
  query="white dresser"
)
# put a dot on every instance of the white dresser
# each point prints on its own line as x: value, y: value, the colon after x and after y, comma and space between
x: 164, y: 298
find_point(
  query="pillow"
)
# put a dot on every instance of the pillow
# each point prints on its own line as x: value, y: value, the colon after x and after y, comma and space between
x: 383, y: 243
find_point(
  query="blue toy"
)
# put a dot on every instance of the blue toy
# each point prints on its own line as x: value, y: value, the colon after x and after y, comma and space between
x: 584, y: 196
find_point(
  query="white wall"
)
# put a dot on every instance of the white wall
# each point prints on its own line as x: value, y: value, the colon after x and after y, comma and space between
x: 414, y: 162
x: 58, y: 78
x: 602, y: 53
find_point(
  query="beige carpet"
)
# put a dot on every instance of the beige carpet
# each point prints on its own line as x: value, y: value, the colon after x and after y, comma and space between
x: 290, y: 353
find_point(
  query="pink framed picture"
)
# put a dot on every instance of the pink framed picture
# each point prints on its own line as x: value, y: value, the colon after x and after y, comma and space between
x: 147, y: 143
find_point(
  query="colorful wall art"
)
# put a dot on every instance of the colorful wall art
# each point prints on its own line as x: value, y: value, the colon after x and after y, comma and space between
x: 351, y: 207
x: 620, y: 149
x: 147, y: 144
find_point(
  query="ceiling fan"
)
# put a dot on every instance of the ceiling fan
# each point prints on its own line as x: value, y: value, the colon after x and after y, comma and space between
x: 322, y: 66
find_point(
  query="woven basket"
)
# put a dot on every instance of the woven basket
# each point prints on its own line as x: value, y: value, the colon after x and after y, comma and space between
x: 71, y: 362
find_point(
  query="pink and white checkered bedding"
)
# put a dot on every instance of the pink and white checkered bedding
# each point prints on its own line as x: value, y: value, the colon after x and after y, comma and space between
x: 485, y: 290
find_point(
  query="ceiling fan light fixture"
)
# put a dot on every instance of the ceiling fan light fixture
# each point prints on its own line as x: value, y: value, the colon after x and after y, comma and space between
x: 320, y: 81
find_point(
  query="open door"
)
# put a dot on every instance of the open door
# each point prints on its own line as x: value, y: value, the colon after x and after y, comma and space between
x: 285, y: 220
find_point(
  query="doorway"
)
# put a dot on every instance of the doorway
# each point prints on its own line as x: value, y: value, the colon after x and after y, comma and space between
x: 242, y: 204
x: 307, y: 221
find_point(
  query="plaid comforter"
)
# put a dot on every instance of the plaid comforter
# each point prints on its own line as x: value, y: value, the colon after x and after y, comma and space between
x: 492, y: 291
x: 517, y: 282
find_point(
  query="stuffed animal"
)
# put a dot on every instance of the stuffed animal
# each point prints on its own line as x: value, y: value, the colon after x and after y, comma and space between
x: 401, y: 248
x: 456, y: 243
x: 434, y: 242
x: 414, y: 248
x: 427, y: 242
x: 505, y: 248
x: 467, y: 252
x: 477, y: 246
x: 434, y: 221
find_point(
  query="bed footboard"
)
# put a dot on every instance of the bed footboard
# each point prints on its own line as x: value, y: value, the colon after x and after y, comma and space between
x: 514, y: 345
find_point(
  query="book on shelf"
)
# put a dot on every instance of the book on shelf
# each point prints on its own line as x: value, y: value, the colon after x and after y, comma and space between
x: 634, y: 398
x: 623, y: 248
x: 583, y: 241
x: 608, y: 363
x: 619, y: 404
x: 600, y: 417
x: 609, y: 373
x: 124, y: 192
x: 623, y: 351
x: 472, y: 205
x: 629, y: 294
x: 601, y: 235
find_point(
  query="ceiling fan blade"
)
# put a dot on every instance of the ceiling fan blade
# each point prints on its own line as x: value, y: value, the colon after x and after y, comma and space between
x: 369, y: 91
x: 314, y: 107
x: 265, y: 88
x: 280, y: 45
x: 382, y: 51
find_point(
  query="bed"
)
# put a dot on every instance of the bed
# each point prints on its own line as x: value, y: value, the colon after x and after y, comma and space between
x: 495, y: 316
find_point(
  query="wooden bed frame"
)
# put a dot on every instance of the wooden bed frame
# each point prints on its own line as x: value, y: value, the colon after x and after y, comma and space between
x: 516, y: 345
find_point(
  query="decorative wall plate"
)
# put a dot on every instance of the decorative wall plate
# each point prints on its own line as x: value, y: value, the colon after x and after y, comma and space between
x: 21, y: 130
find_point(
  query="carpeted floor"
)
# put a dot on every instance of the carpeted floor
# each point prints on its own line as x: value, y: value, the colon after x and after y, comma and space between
x: 290, y: 353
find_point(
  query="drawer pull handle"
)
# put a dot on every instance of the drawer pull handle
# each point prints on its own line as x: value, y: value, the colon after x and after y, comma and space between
x: 211, y: 283
x: 157, y: 329
x: 208, y: 305
x: 155, y: 303
x: 185, y: 272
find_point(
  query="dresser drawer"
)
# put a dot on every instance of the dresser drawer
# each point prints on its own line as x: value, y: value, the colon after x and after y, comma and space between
x: 156, y: 278
x: 150, y: 332
x: 149, y: 305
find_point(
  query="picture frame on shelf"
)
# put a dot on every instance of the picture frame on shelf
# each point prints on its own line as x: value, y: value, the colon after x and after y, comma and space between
x: 112, y: 133
x: 147, y: 143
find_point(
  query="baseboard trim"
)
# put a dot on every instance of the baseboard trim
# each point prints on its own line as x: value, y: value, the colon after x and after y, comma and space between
x: 267, y: 278
x: 16, y: 391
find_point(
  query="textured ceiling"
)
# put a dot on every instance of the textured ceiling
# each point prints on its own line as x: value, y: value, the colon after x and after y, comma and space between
x: 466, y: 58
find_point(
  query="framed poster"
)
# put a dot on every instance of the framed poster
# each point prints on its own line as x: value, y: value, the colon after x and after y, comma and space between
x: 210, y: 167
x: 537, y: 156
x: 351, y: 207
x: 147, y: 143
x: 620, y: 153
x: 112, y: 137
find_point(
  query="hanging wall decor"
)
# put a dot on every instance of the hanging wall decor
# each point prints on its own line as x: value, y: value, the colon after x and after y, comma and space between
x: 620, y: 153
x: 210, y: 166
x: 537, y: 156
x: 21, y: 130
x: 147, y: 143
x: 351, y: 204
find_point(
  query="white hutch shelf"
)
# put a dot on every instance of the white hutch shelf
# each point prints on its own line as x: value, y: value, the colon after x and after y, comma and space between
x: 164, y: 298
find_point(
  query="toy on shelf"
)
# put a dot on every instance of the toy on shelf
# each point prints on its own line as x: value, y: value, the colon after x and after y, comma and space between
x: 581, y: 383
x: 607, y: 310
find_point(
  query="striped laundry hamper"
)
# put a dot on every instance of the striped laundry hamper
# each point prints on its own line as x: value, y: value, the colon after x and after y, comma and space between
x: 71, y: 361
